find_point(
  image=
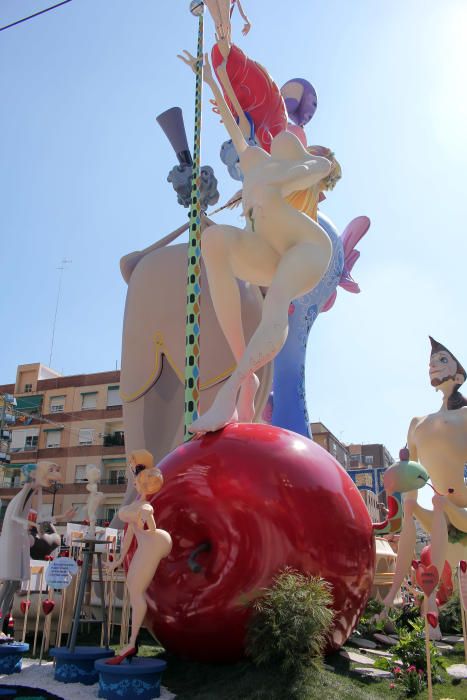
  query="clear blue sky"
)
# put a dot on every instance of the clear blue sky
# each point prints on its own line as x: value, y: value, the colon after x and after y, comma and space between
x: 84, y: 166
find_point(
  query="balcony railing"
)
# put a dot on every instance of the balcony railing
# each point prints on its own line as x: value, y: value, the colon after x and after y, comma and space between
x: 112, y: 439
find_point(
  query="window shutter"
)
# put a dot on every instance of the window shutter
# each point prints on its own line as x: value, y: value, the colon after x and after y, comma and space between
x: 86, y: 436
x: 57, y: 404
x: 53, y: 438
x: 89, y: 401
x: 113, y: 396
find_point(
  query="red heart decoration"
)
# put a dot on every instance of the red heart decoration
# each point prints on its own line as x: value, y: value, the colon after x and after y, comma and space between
x: 48, y: 557
x: 111, y: 557
x: 432, y: 619
x: 463, y: 565
x: 11, y: 622
x: 65, y: 553
x: 47, y: 606
x: 427, y: 578
x: 415, y: 563
x: 25, y: 605
x: 79, y: 562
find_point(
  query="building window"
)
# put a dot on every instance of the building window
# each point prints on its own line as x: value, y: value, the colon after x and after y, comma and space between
x: 80, y: 473
x: 355, y: 460
x: 88, y: 400
x: 31, y: 442
x: 113, y: 397
x: 117, y: 476
x: 86, y: 436
x: 57, y: 404
x: 28, y: 388
x: 369, y: 459
x: 109, y: 512
x: 24, y: 439
x: 53, y: 438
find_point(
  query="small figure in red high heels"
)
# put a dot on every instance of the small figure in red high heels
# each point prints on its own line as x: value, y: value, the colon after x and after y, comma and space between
x: 152, y: 544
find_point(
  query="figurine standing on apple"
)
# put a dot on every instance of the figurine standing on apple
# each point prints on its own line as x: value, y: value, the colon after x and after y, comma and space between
x: 152, y: 545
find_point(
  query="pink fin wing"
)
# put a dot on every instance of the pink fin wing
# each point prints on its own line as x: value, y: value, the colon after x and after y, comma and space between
x: 353, y: 233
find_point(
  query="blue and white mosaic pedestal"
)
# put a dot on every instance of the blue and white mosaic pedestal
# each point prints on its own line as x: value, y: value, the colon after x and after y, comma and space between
x: 138, y: 680
x: 11, y: 656
x: 78, y: 666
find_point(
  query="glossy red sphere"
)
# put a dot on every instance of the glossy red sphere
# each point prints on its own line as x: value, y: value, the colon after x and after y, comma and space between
x: 257, y: 499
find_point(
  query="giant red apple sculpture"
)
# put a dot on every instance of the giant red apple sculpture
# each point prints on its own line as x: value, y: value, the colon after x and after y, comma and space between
x: 241, y: 504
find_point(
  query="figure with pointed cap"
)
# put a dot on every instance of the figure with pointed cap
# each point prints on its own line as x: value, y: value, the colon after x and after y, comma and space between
x: 439, y: 442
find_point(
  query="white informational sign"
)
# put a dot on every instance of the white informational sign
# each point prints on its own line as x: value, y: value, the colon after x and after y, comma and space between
x: 60, y: 572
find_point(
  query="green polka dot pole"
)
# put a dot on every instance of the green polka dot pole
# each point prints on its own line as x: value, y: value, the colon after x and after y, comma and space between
x: 192, y: 346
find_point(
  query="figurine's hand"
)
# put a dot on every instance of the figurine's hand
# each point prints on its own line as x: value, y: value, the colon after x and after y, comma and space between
x: 246, y: 28
x: 67, y: 515
x: 207, y: 71
x: 190, y: 60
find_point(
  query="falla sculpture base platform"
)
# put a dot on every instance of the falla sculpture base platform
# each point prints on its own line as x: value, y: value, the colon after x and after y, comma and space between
x: 11, y: 657
x: 139, y: 679
x: 77, y: 666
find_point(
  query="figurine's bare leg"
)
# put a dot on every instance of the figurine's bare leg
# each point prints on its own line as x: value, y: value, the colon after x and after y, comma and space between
x: 405, y: 550
x: 439, y: 542
x: 229, y: 91
x: 7, y: 594
x: 299, y: 270
x: 139, y: 577
x: 220, y: 13
x: 230, y: 253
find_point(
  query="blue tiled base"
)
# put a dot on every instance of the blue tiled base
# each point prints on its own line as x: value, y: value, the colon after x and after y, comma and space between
x: 78, y: 666
x: 139, y: 679
x: 11, y: 656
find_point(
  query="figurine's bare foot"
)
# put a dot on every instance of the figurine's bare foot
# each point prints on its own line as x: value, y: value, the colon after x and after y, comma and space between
x: 246, y: 399
x: 222, y: 412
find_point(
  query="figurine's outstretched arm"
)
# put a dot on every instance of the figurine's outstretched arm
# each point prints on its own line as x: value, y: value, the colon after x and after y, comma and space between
x: 127, y: 540
x: 230, y: 124
x: 247, y: 25
x: 408, y: 536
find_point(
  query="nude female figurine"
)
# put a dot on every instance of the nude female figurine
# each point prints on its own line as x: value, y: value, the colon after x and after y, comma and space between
x: 280, y: 248
x: 439, y: 442
x: 152, y: 545
x: 95, y: 498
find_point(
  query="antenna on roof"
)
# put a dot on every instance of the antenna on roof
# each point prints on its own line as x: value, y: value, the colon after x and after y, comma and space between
x: 64, y: 262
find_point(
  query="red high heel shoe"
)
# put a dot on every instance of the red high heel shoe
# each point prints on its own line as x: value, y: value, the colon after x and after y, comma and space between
x: 116, y: 660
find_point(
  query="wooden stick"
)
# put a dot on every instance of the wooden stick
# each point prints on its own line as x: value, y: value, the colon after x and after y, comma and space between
x: 38, y: 611
x: 463, y: 613
x: 46, y: 631
x: 58, y: 637
x: 427, y: 650
x: 28, y: 597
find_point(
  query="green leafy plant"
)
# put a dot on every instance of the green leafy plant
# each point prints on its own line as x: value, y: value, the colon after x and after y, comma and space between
x: 450, y: 620
x: 291, y: 622
x: 405, y: 616
x: 367, y: 624
x: 411, y: 648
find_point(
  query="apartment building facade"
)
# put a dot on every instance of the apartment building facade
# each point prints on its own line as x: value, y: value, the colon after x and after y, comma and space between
x: 73, y: 421
x: 364, y: 463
